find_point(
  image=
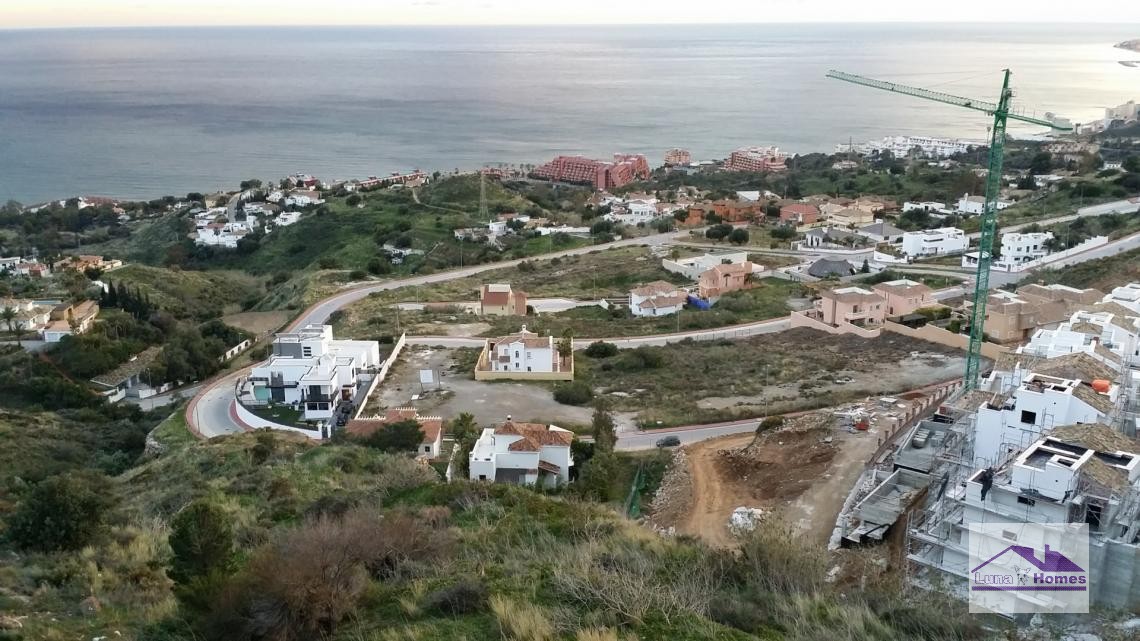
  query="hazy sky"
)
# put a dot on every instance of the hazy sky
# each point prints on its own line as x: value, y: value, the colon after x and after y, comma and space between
x: 83, y: 13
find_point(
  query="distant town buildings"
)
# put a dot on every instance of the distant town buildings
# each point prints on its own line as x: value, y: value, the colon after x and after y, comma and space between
x: 677, y: 156
x: 82, y: 263
x: 756, y: 159
x: 624, y: 169
x: 903, y: 146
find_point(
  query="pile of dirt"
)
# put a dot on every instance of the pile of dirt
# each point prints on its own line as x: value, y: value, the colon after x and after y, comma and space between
x: 785, y: 462
x: 674, y: 497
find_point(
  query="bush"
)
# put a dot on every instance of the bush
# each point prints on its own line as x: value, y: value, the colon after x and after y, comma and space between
x: 201, y: 541
x: 573, y: 393
x: 639, y: 359
x: 60, y: 513
x: 466, y: 597
x: 601, y: 349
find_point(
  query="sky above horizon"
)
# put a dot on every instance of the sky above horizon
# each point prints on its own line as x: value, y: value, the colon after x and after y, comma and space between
x: 110, y: 13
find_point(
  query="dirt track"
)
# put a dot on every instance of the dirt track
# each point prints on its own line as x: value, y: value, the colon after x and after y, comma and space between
x: 714, y: 497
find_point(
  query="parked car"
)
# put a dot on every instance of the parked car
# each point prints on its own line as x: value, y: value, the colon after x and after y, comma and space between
x: 668, y: 441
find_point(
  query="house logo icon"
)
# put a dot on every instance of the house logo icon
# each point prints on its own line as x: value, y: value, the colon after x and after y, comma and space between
x: 1018, y: 568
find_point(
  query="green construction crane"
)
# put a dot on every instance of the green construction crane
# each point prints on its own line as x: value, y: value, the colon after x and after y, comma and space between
x: 1001, y: 113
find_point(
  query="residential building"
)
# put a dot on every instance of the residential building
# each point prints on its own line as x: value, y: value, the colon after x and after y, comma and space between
x: 624, y: 169
x: 844, y: 165
x: 1062, y: 147
x: 677, y: 156
x: 851, y: 217
x: 83, y: 263
x: 756, y: 159
x: 975, y: 205
x: 904, y: 296
x: 1126, y: 296
x: 693, y: 267
x: 658, y: 298
x: 904, y: 146
x: 1018, y: 248
x: 833, y: 237
x: 311, y: 370
x: 68, y: 319
x: 737, y: 211
x: 500, y: 300
x: 523, y: 356
x: 1107, y: 336
x: 926, y: 206
x: 852, y: 305
x: 722, y: 279
x: 799, y: 214
x: 128, y: 379
x: 522, y: 453
x: 303, y: 198
x: 1012, y: 317
x: 934, y: 242
x: 31, y: 316
x: 882, y: 232
x: 828, y: 268
x: 431, y: 426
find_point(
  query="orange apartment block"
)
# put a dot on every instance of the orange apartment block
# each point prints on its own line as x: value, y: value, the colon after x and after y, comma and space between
x: 1012, y: 317
x: 854, y: 305
x: 904, y: 296
x: 722, y: 279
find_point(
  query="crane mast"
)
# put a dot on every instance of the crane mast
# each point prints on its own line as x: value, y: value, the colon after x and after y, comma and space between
x: 988, y: 219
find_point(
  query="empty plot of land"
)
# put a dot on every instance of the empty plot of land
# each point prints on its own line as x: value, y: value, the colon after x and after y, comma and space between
x: 258, y: 323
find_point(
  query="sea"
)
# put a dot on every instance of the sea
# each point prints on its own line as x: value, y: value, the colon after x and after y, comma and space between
x: 147, y: 112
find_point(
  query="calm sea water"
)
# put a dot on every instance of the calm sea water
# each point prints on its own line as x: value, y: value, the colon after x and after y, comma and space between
x: 148, y: 112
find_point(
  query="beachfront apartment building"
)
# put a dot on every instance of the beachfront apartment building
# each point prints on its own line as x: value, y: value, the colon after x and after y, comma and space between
x: 311, y: 370
x: 624, y: 169
x: 522, y: 453
x: 756, y: 159
x: 934, y: 242
x: 677, y: 156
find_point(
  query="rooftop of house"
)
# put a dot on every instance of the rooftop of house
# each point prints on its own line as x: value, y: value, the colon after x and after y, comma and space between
x: 849, y: 294
x: 656, y: 288
x: 824, y: 267
x: 731, y: 269
x: 881, y: 228
x: 669, y: 300
x: 903, y: 287
x: 534, y: 436
x: 129, y: 369
x: 527, y: 338
x: 1079, y: 366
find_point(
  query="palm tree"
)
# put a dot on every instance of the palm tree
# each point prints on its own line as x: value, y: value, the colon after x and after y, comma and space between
x: 8, y: 314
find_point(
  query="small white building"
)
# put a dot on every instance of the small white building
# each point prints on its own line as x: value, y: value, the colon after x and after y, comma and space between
x: 522, y: 352
x: 934, y: 242
x: 311, y: 370
x: 693, y: 267
x: 522, y: 453
x: 975, y: 205
x: 1017, y: 248
x: 658, y: 298
x: 928, y: 206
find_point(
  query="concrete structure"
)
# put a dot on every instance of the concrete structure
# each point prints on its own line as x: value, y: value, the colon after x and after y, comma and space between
x: 600, y: 174
x: 693, y: 267
x: 934, y: 242
x: 658, y: 298
x: 1106, y: 336
x: 799, y: 214
x: 722, y: 279
x: 904, y: 146
x: 431, y: 426
x: 974, y: 205
x: 850, y: 305
x: 678, y: 156
x: 522, y: 453
x: 310, y: 370
x: 500, y: 300
x: 1126, y: 296
x: 904, y: 296
x: 756, y: 159
x: 1012, y: 317
x: 927, y: 206
x: 523, y: 356
x: 68, y: 319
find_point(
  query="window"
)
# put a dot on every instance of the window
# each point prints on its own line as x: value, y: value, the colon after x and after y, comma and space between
x: 1029, y: 418
x: 516, y: 354
x: 306, y: 351
x: 482, y: 477
x: 427, y: 448
x: 1025, y: 500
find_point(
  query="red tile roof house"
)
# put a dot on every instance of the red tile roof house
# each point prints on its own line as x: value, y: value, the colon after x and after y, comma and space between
x: 658, y: 298
x: 722, y: 279
x: 432, y: 427
x: 799, y: 214
x: 500, y: 300
x: 523, y: 356
x: 522, y: 453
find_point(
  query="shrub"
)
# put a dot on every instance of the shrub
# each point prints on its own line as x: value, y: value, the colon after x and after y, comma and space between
x: 771, y: 423
x: 639, y: 359
x: 521, y: 621
x: 601, y: 349
x: 465, y: 597
x: 201, y: 541
x: 401, y: 436
x: 60, y: 513
x: 573, y: 393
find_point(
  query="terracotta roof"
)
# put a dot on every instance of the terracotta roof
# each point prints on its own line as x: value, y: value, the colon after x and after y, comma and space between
x: 665, y: 301
x: 528, y: 339
x: 547, y: 466
x: 656, y: 288
x: 534, y: 436
x: 431, y: 426
x: 731, y: 269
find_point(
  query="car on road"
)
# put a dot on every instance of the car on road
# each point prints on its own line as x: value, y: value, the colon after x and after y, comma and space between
x: 668, y: 441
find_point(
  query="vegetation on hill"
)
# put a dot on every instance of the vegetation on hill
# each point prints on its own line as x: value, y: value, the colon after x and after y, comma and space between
x: 266, y: 536
x: 1103, y: 273
x: 200, y: 295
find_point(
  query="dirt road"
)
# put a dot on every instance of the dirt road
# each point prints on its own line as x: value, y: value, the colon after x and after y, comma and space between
x: 714, y: 495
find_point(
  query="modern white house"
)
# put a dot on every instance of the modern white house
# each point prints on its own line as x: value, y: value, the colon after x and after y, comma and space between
x: 934, y: 242
x: 975, y: 205
x: 1017, y: 248
x: 1125, y: 296
x: 926, y: 206
x: 312, y: 371
x: 1106, y: 336
x: 693, y: 267
x: 522, y: 453
x: 658, y: 298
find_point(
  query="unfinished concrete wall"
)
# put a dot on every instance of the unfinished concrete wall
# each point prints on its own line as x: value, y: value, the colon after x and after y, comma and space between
x: 944, y: 337
x: 799, y: 319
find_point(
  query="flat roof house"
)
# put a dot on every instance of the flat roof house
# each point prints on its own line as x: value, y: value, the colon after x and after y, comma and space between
x: 904, y: 296
x: 522, y: 453
x: 852, y: 305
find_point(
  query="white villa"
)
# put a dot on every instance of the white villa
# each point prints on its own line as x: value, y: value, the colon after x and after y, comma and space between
x: 522, y: 453
x: 968, y: 204
x: 1019, y: 248
x: 658, y: 298
x: 524, y: 355
x: 934, y: 242
x: 312, y: 371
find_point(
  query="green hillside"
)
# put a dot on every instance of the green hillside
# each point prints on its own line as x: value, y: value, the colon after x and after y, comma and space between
x: 191, y: 294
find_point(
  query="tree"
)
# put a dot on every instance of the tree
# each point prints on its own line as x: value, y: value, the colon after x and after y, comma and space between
x: 784, y: 232
x: 352, y: 200
x: 573, y: 393
x: 713, y: 219
x: 566, y: 344
x: 718, y: 232
x: 605, y: 433
x: 597, y: 476
x: 202, y: 542
x: 1042, y: 163
x: 738, y: 236
x: 1131, y: 163
x: 601, y: 349
x: 8, y: 315
x: 400, y: 436
x: 866, y: 268
x: 63, y: 512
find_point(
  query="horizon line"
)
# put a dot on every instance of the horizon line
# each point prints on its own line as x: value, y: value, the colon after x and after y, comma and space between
x: 555, y: 24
